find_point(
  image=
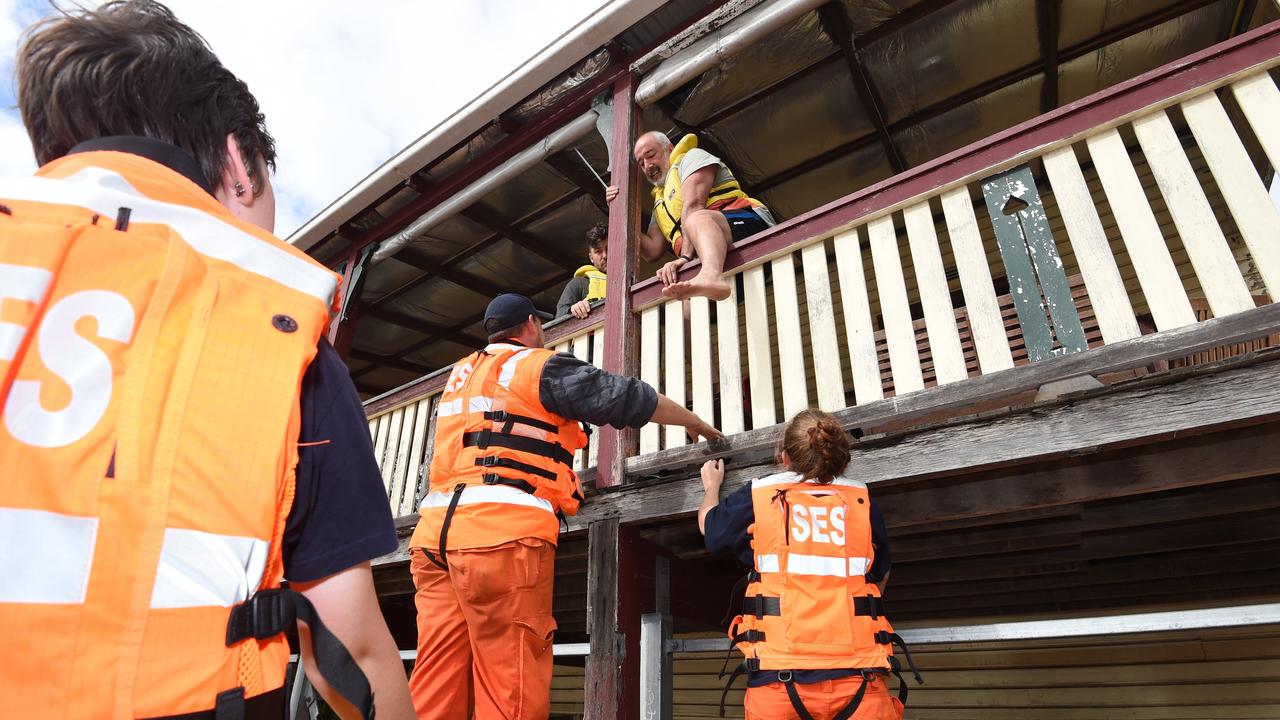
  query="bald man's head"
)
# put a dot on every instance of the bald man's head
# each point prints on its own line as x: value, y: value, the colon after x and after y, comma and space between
x: 653, y: 154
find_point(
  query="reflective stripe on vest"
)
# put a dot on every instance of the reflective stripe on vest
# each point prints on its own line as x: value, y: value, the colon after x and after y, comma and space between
x: 45, y: 557
x: 199, y: 569
x: 499, y: 494
x: 799, y: 564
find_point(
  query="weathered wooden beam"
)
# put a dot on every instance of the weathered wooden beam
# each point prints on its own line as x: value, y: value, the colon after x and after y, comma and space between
x: 1124, y: 355
x: 1199, y: 403
x: 610, y: 686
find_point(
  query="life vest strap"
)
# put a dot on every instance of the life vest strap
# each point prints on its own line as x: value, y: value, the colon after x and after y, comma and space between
x: 270, y: 612
x: 490, y: 461
x: 746, y: 666
x: 884, y: 637
x: 510, y: 419
x: 869, y: 606
x: 496, y: 479
x: 762, y: 606
x: 232, y: 705
x: 488, y: 438
x: 789, y: 683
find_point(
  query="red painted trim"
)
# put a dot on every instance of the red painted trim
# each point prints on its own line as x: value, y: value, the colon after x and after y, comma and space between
x: 1193, y: 71
x: 573, y: 326
x: 413, y: 390
x: 619, y: 323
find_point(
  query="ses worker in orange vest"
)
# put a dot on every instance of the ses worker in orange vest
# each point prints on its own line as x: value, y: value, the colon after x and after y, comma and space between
x: 483, y: 554
x: 177, y: 438
x: 812, y: 628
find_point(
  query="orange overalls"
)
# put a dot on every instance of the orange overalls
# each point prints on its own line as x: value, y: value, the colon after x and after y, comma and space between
x: 152, y: 349
x: 808, y: 605
x: 483, y: 554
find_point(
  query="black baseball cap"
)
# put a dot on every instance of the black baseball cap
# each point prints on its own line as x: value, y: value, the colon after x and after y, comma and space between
x: 509, y: 310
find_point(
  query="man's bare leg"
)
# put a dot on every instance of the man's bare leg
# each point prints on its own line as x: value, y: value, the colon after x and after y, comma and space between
x: 708, y: 230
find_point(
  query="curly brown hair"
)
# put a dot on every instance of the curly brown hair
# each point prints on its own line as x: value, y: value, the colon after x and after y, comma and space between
x: 817, y: 447
x: 130, y: 67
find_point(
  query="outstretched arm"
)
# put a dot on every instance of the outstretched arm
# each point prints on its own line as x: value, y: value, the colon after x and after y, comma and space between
x: 348, y: 604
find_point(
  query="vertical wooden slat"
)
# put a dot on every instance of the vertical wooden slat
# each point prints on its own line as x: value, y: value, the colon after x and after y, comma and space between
x: 935, y: 296
x: 1157, y: 275
x: 673, y: 382
x: 904, y: 357
x: 400, y: 466
x: 791, y: 350
x: 373, y: 427
x: 650, y: 344
x: 864, y: 363
x: 387, y: 458
x: 380, y: 441
x: 1260, y: 100
x: 990, y: 340
x: 1215, y: 265
x: 1088, y: 240
x: 424, y: 472
x: 421, y: 422
x: 700, y: 357
x: 759, y: 361
x: 563, y: 347
x: 581, y: 349
x: 826, y: 353
x: 597, y: 359
x: 727, y: 349
x: 1255, y: 215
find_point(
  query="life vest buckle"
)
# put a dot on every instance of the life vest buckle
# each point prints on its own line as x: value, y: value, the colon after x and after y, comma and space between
x: 487, y: 461
x: 265, y: 614
x: 784, y: 676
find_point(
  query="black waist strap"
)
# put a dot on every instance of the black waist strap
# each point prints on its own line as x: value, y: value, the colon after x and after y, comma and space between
x: 488, y: 438
x: 497, y: 462
x: 884, y: 637
x: 868, y: 605
x: 803, y: 712
x: 232, y: 705
x: 762, y: 606
x: 510, y: 419
x: 270, y: 612
x: 746, y: 666
x: 495, y: 479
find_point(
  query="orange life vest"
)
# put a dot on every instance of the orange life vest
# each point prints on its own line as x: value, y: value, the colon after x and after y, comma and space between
x: 809, y: 605
x: 502, y: 467
x: 152, y: 349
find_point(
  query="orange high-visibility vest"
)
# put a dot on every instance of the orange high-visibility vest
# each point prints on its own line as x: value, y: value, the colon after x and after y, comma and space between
x: 809, y: 605
x: 152, y: 349
x: 502, y: 467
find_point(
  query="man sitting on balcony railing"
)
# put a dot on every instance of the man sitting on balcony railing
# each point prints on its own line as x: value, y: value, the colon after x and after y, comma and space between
x: 685, y: 176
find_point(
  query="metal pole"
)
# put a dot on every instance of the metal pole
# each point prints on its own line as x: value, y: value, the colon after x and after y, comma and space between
x: 655, y: 667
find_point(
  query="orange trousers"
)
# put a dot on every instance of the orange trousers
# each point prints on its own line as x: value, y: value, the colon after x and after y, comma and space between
x: 484, y: 633
x: 823, y: 700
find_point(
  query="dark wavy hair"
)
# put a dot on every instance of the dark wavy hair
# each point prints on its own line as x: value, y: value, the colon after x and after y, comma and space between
x: 130, y: 67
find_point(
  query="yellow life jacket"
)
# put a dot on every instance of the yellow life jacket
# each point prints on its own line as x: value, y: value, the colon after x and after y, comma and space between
x: 595, y: 281
x: 149, y: 390
x: 668, y: 205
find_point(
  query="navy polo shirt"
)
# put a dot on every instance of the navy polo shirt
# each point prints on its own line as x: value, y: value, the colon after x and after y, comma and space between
x: 726, y: 531
x: 340, y: 515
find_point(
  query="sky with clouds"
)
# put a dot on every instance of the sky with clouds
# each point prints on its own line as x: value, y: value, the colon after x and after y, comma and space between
x: 344, y: 85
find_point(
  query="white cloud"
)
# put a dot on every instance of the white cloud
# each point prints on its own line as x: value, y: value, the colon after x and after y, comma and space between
x: 344, y: 86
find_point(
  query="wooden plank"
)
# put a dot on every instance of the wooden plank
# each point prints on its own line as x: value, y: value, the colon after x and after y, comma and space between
x: 650, y: 346
x: 387, y: 458
x: 421, y: 426
x: 424, y: 475
x: 563, y: 347
x: 1136, y: 352
x: 603, y: 678
x: 759, y: 362
x: 597, y: 359
x: 1089, y: 243
x: 380, y: 442
x: 727, y: 352
x: 989, y: 338
x: 825, y: 345
x: 1255, y: 215
x: 373, y: 427
x: 400, y: 467
x: 1260, y: 101
x: 857, y: 319
x: 673, y: 384
x: 791, y: 350
x: 935, y: 296
x: 1157, y: 275
x: 581, y: 349
x: 1018, y: 268
x: 1215, y: 265
x: 904, y: 356
x: 700, y: 357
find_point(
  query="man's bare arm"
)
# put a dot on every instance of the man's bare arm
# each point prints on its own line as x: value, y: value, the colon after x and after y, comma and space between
x: 697, y: 186
x: 348, y: 604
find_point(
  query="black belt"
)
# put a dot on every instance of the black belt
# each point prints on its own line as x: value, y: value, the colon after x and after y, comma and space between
x: 489, y: 438
x: 232, y: 705
x: 510, y: 419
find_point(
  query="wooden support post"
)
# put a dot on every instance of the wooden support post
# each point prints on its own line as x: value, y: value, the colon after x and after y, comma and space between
x: 621, y: 348
x: 611, y: 687
x: 343, y: 327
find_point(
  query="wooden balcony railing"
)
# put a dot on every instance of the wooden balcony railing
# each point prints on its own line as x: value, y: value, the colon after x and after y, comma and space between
x: 1097, y: 238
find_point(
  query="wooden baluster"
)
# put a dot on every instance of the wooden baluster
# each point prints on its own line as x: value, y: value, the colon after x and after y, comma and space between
x: 1260, y: 100
x: 380, y: 440
x: 650, y: 346
x: 1215, y: 265
x: 387, y: 458
x: 424, y: 470
x: 1147, y: 249
x: 904, y: 357
x: 404, y: 447
x: 990, y: 341
x: 826, y: 354
x: 863, y: 360
x: 673, y: 383
x: 759, y: 360
x: 597, y: 359
x: 700, y: 357
x: 1255, y: 215
x: 418, y: 442
x: 935, y: 296
x: 582, y: 350
x: 728, y: 346
x: 1088, y: 240
x: 791, y: 350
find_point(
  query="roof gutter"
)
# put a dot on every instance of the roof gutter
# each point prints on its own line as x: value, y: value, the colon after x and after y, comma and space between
x: 521, y: 162
x: 734, y: 37
x: 609, y: 20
